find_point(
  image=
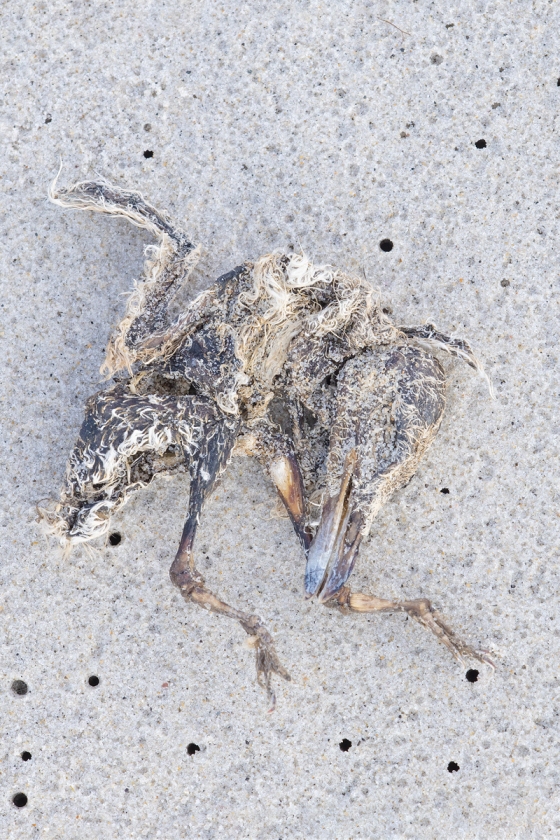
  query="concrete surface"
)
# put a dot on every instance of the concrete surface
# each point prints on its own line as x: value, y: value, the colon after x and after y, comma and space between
x: 323, y: 127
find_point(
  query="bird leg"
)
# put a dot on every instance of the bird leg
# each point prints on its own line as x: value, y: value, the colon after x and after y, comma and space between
x: 389, y: 407
x: 210, y: 461
x: 192, y: 589
x: 419, y: 609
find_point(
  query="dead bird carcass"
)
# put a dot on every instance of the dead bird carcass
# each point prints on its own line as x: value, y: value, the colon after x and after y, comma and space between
x: 293, y: 363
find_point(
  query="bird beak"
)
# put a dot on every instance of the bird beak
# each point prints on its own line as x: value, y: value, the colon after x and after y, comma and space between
x: 333, y: 552
x: 286, y: 475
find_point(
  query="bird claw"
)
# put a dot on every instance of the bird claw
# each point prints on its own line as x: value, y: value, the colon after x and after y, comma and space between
x: 422, y: 610
x: 267, y: 661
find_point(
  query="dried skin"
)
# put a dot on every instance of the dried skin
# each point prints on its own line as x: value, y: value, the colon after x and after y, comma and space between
x: 298, y: 364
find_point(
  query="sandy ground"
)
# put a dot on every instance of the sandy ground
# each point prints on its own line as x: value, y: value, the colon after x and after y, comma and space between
x: 326, y: 128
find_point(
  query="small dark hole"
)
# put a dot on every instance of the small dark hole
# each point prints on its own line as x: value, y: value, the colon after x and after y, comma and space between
x: 19, y: 687
x: 452, y: 766
x: 147, y: 127
x: 149, y: 154
x: 504, y: 282
x: 193, y: 748
x: 48, y: 119
x: 480, y: 144
x: 345, y: 745
x: 386, y: 245
x: 445, y: 491
x: 558, y: 83
x: 115, y: 538
x: 26, y: 755
x: 93, y: 681
x: 20, y: 800
x: 472, y: 675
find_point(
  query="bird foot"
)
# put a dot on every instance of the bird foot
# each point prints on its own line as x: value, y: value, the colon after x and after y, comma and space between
x: 265, y: 655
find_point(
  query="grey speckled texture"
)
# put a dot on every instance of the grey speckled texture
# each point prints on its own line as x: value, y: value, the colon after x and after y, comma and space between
x: 318, y: 126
